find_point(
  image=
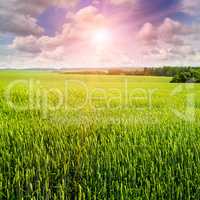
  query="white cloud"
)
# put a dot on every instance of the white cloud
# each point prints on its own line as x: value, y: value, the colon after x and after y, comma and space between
x: 19, y: 24
x: 19, y: 16
x: 78, y: 30
x: 171, y: 42
x: 170, y: 31
x: 168, y: 42
x: 29, y: 44
x: 191, y: 7
x: 119, y: 2
x: 148, y: 33
x: 169, y: 28
x: 74, y: 39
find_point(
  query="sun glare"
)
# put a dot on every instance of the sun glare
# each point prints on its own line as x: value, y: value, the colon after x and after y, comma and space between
x: 101, y: 37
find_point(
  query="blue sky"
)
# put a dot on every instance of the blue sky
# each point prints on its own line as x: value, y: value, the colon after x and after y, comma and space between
x: 52, y: 19
x: 65, y: 33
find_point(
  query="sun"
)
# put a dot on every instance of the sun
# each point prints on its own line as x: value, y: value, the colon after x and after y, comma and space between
x: 101, y: 37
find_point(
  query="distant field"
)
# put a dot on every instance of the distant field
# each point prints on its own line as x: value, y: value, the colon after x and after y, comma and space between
x: 98, y: 137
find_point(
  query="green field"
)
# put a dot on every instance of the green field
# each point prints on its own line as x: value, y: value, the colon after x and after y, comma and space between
x: 98, y: 137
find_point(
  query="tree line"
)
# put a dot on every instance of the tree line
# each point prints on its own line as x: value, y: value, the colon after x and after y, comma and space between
x: 179, y: 74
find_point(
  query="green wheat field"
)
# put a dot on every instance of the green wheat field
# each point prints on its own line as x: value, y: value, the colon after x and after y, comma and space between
x: 89, y: 137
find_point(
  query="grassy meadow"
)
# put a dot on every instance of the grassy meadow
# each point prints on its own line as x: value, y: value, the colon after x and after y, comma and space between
x: 98, y: 137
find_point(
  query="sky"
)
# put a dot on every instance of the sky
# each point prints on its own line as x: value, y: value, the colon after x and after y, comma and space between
x: 99, y: 33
